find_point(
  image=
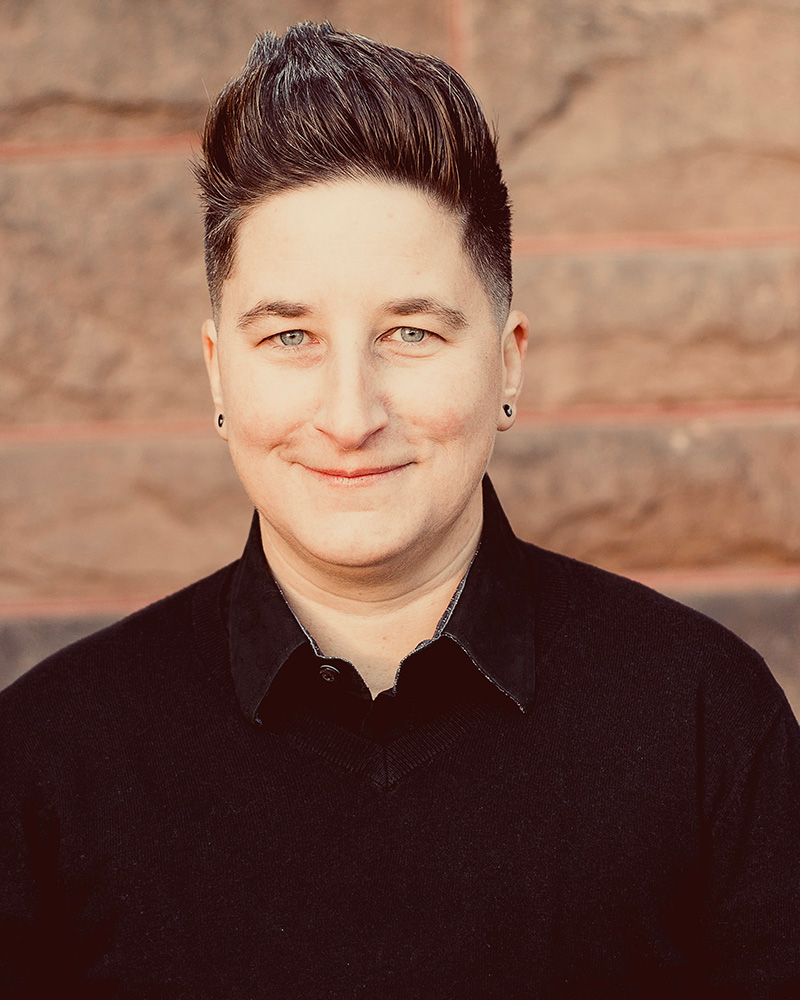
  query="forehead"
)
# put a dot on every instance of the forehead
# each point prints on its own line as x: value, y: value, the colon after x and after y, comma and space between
x: 352, y: 240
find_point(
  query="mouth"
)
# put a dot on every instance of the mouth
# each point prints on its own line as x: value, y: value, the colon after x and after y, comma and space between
x: 355, y: 477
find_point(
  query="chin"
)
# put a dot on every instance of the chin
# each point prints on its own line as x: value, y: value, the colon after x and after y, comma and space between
x: 370, y: 545
x: 352, y: 555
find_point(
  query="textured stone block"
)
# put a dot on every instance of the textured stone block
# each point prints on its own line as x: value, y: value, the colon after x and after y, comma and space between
x: 88, y: 69
x: 103, y: 292
x: 116, y: 518
x: 661, y: 495
x: 645, y: 116
x: 667, y: 327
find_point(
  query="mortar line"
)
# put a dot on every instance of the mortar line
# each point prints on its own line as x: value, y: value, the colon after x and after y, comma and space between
x: 35, y: 434
x: 717, y: 410
x: 720, y: 411
x: 725, y: 580
x: 72, y: 607
x: 93, y: 149
x: 565, y: 244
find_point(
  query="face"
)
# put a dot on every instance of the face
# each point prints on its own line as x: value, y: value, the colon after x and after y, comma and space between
x: 362, y: 374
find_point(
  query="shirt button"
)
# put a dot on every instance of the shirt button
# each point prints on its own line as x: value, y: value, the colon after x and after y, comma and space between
x: 328, y: 672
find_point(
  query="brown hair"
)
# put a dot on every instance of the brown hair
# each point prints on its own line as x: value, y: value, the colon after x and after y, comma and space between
x: 319, y: 104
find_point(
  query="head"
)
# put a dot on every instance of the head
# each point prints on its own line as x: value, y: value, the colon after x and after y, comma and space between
x: 318, y: 105
x: 357, y: 246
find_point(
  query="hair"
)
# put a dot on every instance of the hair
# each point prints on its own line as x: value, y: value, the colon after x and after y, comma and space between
x: 319, y: 105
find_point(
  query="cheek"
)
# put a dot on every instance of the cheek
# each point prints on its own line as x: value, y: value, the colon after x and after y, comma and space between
x: 262, y: 406
x: 463, y: 420
x: 458, y: 403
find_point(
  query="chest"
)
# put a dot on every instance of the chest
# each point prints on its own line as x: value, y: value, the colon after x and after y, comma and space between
x: 503, y: 855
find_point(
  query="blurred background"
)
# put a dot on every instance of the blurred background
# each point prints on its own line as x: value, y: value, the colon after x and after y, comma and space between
x: 652, y: 150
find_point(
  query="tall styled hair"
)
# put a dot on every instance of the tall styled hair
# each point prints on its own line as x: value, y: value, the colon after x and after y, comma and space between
x: 319, y: 104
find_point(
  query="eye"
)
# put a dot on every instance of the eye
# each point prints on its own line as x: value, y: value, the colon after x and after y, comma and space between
x: 292, y: 338
x: 411, y: 335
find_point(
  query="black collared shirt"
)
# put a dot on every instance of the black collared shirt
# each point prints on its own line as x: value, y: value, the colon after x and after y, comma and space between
x: 482, y: 652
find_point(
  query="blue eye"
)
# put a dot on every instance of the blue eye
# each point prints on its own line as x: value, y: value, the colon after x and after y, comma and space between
x: 411, y: 335
x: 292, y: 338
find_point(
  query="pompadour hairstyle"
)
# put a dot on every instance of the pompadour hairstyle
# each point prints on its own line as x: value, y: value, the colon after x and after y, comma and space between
x: 318, y: 105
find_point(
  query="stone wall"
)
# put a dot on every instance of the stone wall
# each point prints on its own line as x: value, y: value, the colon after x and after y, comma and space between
x: 652, y: 150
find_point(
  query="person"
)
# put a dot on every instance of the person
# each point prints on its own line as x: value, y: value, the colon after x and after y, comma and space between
x: 392, y: 751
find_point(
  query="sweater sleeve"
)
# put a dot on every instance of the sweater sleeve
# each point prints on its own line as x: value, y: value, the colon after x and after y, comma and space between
x: 753, y: 898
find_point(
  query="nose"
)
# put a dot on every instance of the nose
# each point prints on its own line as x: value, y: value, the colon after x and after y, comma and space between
x: 351, y: 408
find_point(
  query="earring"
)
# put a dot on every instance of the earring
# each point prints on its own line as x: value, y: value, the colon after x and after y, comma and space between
x: 507, y: 409
x: 220, y: 420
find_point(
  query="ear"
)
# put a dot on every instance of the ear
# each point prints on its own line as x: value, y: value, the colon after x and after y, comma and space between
x: 514, y: 340
x: 211, y: 355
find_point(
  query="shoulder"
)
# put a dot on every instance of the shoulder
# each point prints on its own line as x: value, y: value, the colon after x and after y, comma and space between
x: 116, y: 666
x: 641, y: 671
x: 629, y: 635
x: 630, y: 613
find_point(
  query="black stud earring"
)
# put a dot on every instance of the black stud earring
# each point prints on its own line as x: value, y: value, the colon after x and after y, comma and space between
x: 507, y: 409
x: 220, y: 420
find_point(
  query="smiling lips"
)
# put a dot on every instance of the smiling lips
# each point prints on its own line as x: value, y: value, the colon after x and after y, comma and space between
x: 356, y: 476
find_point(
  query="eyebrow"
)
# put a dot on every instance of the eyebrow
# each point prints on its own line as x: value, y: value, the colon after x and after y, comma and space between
x: 454, y: 318
x: 277, y: 307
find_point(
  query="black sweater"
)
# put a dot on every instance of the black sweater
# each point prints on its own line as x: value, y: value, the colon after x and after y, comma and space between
x: 579, y: 789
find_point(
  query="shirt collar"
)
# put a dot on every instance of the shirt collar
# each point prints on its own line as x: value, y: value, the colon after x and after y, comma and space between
x: 492, y: 620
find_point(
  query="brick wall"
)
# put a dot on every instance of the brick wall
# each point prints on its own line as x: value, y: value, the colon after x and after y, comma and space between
x: 653, y: 155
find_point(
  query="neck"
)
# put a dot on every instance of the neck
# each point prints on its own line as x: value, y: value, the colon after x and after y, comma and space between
x: 373, y: 618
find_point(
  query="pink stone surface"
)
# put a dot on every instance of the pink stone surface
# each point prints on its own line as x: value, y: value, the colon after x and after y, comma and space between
x: 88, y: 69
x: 129, y: 516
x: 684, y: 495
x: 666, y: 327
x: 620, y: 116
